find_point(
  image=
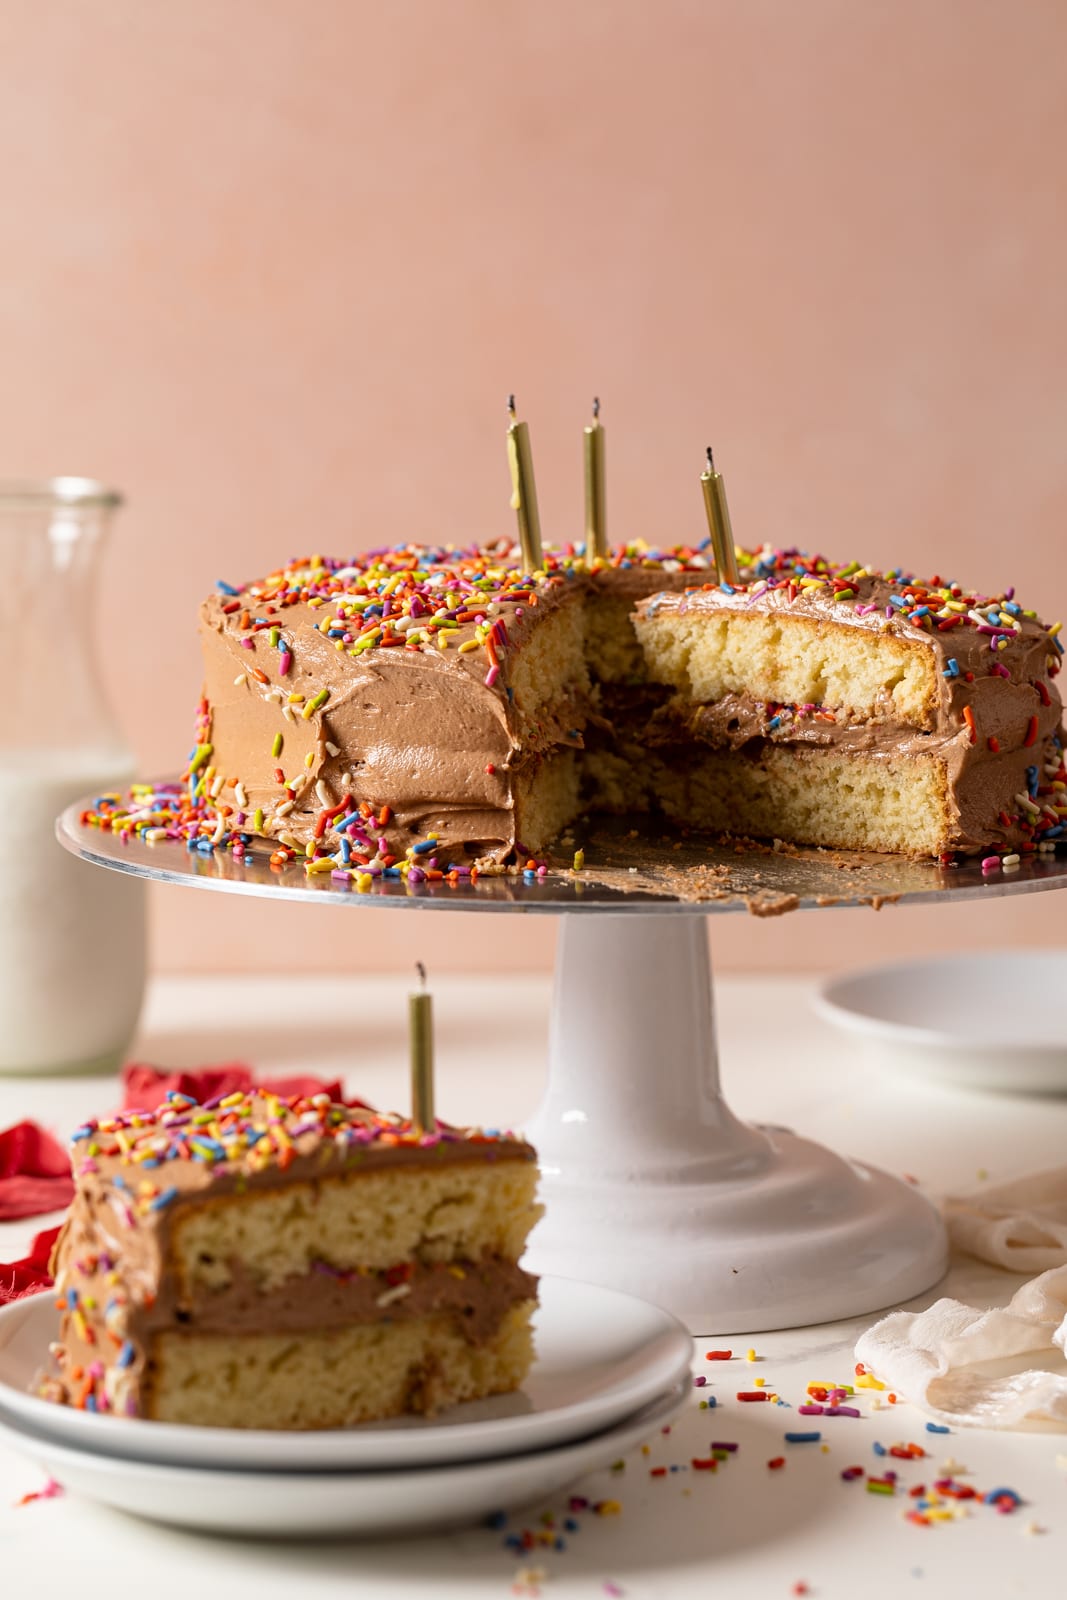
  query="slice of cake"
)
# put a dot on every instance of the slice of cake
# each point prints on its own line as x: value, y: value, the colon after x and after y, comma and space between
x: 833, y: 705
x: 273, y: 1263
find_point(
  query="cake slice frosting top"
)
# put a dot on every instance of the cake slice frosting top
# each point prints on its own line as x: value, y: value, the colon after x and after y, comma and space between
x: 251, y: 1138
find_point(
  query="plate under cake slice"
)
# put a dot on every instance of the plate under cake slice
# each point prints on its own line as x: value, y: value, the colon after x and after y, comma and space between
x: 290, y: 1263
x: 835, y: 705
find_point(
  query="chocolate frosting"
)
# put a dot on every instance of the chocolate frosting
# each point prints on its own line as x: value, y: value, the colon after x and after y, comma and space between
x: 478, y: 1293
x: 427, y: 731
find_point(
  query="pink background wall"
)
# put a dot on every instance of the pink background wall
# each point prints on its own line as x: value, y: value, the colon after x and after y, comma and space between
x: 273, y: 267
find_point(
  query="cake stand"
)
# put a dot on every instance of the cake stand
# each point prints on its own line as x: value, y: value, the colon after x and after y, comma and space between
x: 650, y: 1182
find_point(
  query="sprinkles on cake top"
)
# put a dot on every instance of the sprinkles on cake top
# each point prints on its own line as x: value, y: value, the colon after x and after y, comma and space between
x: 247, y: 1132
x: 433, y: 713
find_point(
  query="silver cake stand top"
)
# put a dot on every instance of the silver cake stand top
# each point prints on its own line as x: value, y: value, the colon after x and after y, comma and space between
x: 623, y: 872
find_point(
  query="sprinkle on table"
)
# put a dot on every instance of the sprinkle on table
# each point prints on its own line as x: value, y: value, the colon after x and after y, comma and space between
x: 48, y: 1491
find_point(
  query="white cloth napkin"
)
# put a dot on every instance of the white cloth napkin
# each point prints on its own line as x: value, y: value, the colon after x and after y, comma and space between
x: 994, y: 1369
x: 962, y: 1365
x: 1020, y: 1225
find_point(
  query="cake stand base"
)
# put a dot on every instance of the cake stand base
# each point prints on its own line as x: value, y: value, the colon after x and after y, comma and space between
x: 652, y: 1185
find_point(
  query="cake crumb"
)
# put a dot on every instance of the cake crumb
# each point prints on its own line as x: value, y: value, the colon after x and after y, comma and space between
x: 528, y: 1580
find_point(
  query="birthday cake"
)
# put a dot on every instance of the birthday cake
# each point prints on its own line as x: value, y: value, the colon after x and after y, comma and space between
x: 290, y: 1263
x: 442, y: 709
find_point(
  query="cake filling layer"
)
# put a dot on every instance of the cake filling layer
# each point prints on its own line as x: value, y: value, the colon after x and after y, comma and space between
x: 477, y: 1293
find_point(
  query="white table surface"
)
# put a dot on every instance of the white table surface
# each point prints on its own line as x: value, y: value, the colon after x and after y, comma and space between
x: 744, y: 1533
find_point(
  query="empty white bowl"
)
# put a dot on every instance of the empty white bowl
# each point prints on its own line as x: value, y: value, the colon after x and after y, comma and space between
x: 989, y: 1020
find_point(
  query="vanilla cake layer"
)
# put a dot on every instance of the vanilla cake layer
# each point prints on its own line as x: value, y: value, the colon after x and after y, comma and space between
x: 851, y: 802
x: 334, y: 1379
x: 707, y: 654
x: 290, y: 1233
x: 459, y: 1211
x: 613, y: 650
x: 547, y: 800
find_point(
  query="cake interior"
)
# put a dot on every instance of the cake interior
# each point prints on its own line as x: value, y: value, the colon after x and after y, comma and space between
x: 646, y: 685
x: 798, y: 661
x: 803, y: 729
x: 330, y: 1302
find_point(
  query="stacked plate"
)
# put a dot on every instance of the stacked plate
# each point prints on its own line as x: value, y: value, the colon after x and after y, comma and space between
x: 610, y: 1372
x: 979, y: 1020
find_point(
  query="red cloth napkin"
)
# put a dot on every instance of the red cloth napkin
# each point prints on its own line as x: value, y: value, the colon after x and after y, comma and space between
x: 35, y: 1169
x: 34, y: 1173
x: 144, y: 1087
x: 31, y: 1274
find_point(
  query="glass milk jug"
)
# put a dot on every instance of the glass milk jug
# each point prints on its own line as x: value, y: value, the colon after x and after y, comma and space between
x: 72, y: 936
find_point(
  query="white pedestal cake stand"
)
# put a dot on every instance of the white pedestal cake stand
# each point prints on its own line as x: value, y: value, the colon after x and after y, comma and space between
x: 651, y: 1184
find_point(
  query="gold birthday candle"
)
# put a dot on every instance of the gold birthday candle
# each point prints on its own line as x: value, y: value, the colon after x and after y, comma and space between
x: 524, y: 491
x: 420, y: 1031
x: 596, y: 524
x: 718, y: 513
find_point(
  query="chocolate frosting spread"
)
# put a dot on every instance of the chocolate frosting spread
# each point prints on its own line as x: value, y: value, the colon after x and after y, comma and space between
x: 477, y: 1292
x: 430, y: 732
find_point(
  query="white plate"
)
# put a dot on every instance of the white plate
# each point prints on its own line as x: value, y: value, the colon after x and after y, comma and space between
x: 991, y: 1020
x: 311, y: 1504
x: 600, y: 1356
